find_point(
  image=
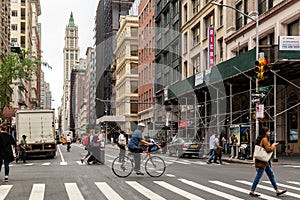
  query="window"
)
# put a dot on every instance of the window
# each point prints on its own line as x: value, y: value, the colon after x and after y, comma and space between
x: 134, y: 68
x: 14, y: 27
x: 196, y: 64
x: 14, y: 13
x: 292, y: 126
x: 166, y: 19
x: 293, y: 28
x: 209, y: 21
x: 196, y: 34
x: 262, y: 6
x: 238, y: 17
x: 133, y: 50
x: 175, y: 8
x: 185, y: 43
x: 195, y: 4
x: 185, y: 17
x: 134, y: 86
x: 14, y: 41
x: 220, y: 43
x: 134, y: 31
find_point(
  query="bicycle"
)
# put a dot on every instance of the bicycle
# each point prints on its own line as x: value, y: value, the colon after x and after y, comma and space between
x: 122, y: 166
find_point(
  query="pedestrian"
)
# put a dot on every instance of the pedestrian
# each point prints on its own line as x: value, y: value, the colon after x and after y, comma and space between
x: 218, y: 151
x: 261, y: 166
x: 121, y: 145
x: 22, y: 149
x: 89, y: 139
x: 6, y: 151
x: 69, y: 140
x: 135, y: 148
x: 174, y: 137
x: 234, y: 146
x: 224, y: 142
x: 212, y: 146
x: 95, y: 149
x: 163, y: 145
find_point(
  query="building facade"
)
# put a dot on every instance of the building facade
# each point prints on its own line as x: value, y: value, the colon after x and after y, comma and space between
x: 5, y: 28
x: 107, y: 25
x: 126, y: 72
x: 146, y: 61
x: 71, y: 59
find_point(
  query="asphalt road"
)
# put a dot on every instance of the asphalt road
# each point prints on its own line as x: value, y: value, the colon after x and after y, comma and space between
x: 64, y: 177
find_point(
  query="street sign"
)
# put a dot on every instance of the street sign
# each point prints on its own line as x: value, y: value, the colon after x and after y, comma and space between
x: 255, y: 100
x: 261, y: 95
x: 264, y: 89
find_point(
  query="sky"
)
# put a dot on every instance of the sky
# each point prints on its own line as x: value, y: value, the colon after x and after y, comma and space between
x: 54, y: 19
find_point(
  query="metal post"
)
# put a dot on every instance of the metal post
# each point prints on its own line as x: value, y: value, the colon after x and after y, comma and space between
x: 275, y: 126
x: 257, y: 52
x: 186, y: 117
x: 250, y: 118
x: 218, y: 112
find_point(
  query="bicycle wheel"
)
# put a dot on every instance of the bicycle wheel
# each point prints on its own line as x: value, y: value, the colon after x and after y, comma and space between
x: 122, y: 169
x: 155, y: 166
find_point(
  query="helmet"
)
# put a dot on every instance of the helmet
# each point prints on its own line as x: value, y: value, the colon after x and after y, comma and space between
x: 141, y: 124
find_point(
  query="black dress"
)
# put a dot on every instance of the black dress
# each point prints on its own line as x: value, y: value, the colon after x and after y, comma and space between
x: 6, y: 142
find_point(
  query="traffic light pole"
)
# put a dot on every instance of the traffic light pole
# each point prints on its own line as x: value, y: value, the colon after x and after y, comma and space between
x: 257, y: 49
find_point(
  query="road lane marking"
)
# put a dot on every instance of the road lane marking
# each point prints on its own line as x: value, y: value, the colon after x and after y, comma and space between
x: 178, y: 190
x: 144, y: 191
x: 294, y: 182
x: 209, y: 190
x: 108, y: 191
x: 284, y: 185
x: 170, y: 175
x: 269, y: 188
x: 239, y: 189
x: 47, y: 163
x: 61, y: 155
x: 73, y: 191
x: 4, y: 189
x: 37, y: 192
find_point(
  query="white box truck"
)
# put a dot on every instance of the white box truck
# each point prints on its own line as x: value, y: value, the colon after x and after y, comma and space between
x: 38, y: 126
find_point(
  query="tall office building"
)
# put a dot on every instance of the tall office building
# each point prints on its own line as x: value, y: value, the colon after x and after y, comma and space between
x: 71, y: 59
x: 107, y: 25
x: 4, y: 27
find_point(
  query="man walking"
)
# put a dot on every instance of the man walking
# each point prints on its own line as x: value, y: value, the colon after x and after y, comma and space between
x: 212, y: 145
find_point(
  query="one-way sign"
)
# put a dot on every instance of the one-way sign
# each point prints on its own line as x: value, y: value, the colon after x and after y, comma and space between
x: 258, y: 95
x: 255, y: 100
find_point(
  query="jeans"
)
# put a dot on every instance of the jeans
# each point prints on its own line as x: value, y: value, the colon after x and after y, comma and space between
x: 137, y: 157
x: 224, y: 145
x: 259, y: 174
x: 6, y: 166
x: 212, y: 154
x: 234, y: 151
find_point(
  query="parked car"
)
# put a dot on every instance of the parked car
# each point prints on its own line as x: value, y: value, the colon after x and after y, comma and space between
x: 185, y: 146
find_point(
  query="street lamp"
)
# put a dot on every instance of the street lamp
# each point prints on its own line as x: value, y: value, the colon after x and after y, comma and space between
x: 257, y: 50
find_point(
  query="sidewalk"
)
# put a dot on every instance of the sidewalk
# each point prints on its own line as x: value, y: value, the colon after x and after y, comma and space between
x: 282, y: 160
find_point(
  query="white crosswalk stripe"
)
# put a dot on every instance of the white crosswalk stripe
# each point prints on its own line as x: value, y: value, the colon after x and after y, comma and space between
x: 146, y: 192
x: 73, y: 191
x: 213, y: 188
x: 178, y: 190
x: 246, y: 191
x: 285, y: 186
x: 108, y: 191
x: 270, y: 189
x: 37, y: 192
x: 4, y: 189
x: 209, y: 190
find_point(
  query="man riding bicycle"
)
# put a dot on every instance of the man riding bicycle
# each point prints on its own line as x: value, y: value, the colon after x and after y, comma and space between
x: 134, y: 146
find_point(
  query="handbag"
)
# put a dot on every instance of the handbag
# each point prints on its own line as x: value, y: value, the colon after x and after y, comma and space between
x: 122, y: 142
x: 261, y: 154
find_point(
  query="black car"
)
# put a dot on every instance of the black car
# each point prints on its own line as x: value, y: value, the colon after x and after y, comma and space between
x: 184, y: 146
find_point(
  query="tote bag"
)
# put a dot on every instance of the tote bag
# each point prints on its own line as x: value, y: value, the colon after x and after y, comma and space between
x: 261, y: 154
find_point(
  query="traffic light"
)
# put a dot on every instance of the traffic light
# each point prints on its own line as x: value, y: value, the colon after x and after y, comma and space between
x: 261, y: 69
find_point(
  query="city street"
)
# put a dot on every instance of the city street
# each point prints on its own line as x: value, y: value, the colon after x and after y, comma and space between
x: 65, y: 177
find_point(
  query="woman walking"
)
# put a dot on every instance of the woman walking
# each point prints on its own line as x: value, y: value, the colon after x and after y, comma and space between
x: 121, y: 145
x: 6, y: 152
x: 261, y: 166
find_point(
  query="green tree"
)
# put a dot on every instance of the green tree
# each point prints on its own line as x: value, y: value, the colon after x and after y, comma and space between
x: 13, y: 67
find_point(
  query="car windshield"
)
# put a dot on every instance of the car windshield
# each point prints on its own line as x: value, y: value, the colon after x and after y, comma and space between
x: 189, y: 140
